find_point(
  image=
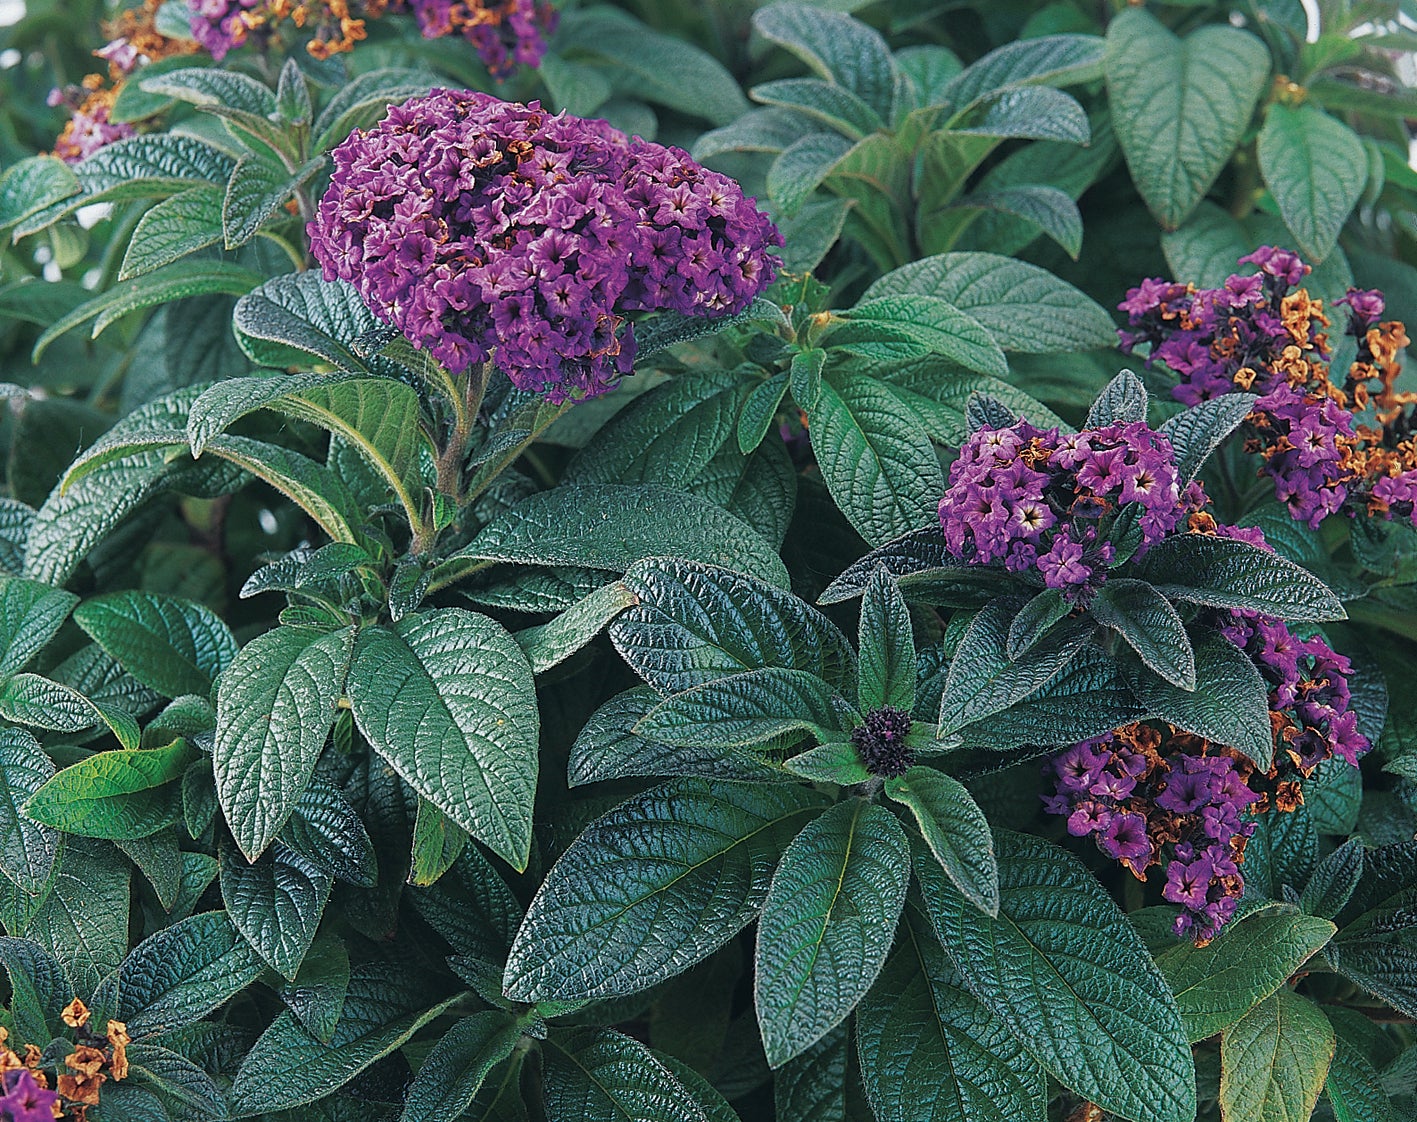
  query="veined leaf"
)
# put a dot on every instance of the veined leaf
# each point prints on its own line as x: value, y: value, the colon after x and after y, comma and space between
x: 1024, y: 307
x: 31, y: 614
x: 275, y: 708
x: 454, y: 1070
x: 695, y: 623
x: 1274, y: 1061
x: 1180, y: 106
x: 827, y: 925
x: 1200, y: 430
x: 256, y: 191
x: 1062, y: 967
x: 747, y: 709
x: 122, y: 793
x: 802, y: 167
x: 931, y: 1052
x: 151, y: 166
x: 1217, y: 984
x: 1225, y: 573
x: 1315, y: 168
x: 954, y: 829
x: 838, y: 48
x: 1032, y: 113
x: 31, y: 185
x: 1049, y: 60
x: 27, y: 848
x: 171, y: 645
x: 903, y: 325
x: 834, y: 106
x: 653, y: 887
x: 599, y: 1073
x: 177, y: 226
x: 293, y: 318
x: 1150, y: 626
x: 82, y: 920
x: 276, y: 903
x: 887, y: 646
x: 447, y: 698
x: 363, y: 99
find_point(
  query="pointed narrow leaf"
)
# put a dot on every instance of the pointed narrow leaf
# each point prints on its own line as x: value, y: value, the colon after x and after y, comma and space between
x: 887, y: 646
x: 1225, y: 573
x: 840, y: 49
x: 276, y: 903
x: 594, y: 1073
x: 30, y: 615
x: 955, y: 830
x: 827, y: 924
x: 27, y: 848
x: 455, y: 1068
x: 748, y: 709
x: 1150, y: 626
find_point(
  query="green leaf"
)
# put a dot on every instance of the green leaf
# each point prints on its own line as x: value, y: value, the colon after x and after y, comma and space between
x: 312, y: 486
x: 1219, y: 983
x: 83, y: 919
x: 29, y: 186
x: 1061, y: 966
x: 28, y: 699
x: 171, y: 645
x: 455, y: 1068
x: 185, y: 1090
x: 653, y: 887
x: 835, y: 762
x: 257, y: 190
x: 39, y: 988
x: 1354, y: 1088
x: 123, y: 793
x: 1315, y: 168
x: 955, y: 830
x: 177, y: 226
x: 1225, y: 573
x: 288, y: 1066
x: 28, y: 848
x: 1032, y: 113
x: 294, y: 318
x: 695, y: 623
x: 875, y: 457
x: 364, y: 98
x: 748, y: 709
x: 437, y: 843
x: 906, y: 324
x: 838, y: 48
x: 1024, y: 307
x: 446, y: 697
x: 803, y: 167
x: 151, y: 165
x: 1229, y: 705
x: 1180, y: 106
x: 1034, y: 620
x: 931, y: 1052
x: 834, y: 106
x: 377, y: 416
x: 760, y: 409
x: 172, y: 282
x: 1122, y: 401
x: 1049, y: 60
x: 324, y: 828
x: 758, y: 130
x: 1274, y: 1062
x: 275, y: 903
x: 275, y: 708
x: 982, y: 679
x: 1200, y: 430
x: 827, y: 924
x: 611, y: 526
x: 31, y: 614
x: 1051, y: 210
x: 1334, y: 880
x: 182, y: 973
x: 551, y: 643
x: 595, y: 1073
x: 887, y: 646
x: 1150, y: 626
x: 317, y: 994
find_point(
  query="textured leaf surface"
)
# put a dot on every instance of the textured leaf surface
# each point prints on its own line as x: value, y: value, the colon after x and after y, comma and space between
x: 747, y: 709
x: 840, y: 49
x: 1315, y: 167
x: 652, y: 887
x: 288, y: 1066
x: 457, y: 1065
x: 1025, y: 308
x: 1216, y: 985
x: 1200, y: 430
x: 83, y: 921
x: 930, y: 1052
x: 1150, y: 626
x: 291, y: 318
x: 30, y: 615
x: 171, y: 645
x: 1179, y: 106
x: 1224, y: 573
x: 275, y: 903
x: 611, y: 526
x: 183, y: 972
x: 1053, y: 60
x: 875, y: 457
x: 1065, y: 970
x: 695, y: 623
x: 447, y: 698
x: 175, y: 227
x: 955, y: 830
x: 600, y: 1074
x: 275, y: 708
x: 27, y: 848
x: 827, y: 924
x: 1274, y: 1061
x: 909, y: 323
x: 105, y: 795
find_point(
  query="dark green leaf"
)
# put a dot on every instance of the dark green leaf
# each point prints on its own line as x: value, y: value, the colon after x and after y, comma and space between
x: 1150, y: 626
x: 1225, y: 573
x: 954, y: 829
x: 1274, y: 1061
x: 275, y: 903
x: 1315, y: 168
x: 171, y: 645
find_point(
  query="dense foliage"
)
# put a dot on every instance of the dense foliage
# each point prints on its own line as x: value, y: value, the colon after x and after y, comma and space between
x: 602, y: 562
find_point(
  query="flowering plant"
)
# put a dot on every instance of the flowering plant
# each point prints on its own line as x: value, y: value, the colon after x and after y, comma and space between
x: 514, y: 606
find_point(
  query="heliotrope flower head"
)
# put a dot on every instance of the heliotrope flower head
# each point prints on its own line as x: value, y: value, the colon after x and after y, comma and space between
x: 506, y: 33
x: 490, y: 229
x: 24, y: 1100
x: 1037, y: 499
x: 1152, y: 795
x: 1327, y: 447
x: 90, y: 126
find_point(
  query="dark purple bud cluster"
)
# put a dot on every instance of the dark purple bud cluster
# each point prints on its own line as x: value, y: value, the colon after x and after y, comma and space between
x: 1031, y: 498
x: 1260, y: 333
x: 880, y: 740
x: 1150, y: 794
x: 490, y: 229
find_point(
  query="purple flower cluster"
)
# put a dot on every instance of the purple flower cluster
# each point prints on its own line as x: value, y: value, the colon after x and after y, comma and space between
x: 217, y: 24
x: 1150, y: 794
x: 489, y: 229
x: 1030, y: 498
x: 25, y: 1100
x: 89, y: 127
x: 1260, y: 333
x: 506, y: 33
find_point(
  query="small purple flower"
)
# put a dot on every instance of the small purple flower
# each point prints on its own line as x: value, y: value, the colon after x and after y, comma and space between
x: 25, y: 1100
